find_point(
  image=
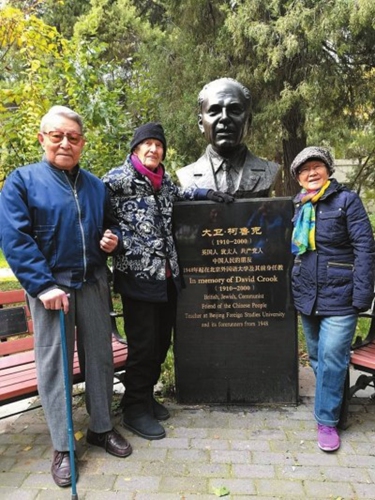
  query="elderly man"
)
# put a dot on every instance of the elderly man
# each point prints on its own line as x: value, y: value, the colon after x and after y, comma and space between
x: 227, y: 165
x: 57, y: 229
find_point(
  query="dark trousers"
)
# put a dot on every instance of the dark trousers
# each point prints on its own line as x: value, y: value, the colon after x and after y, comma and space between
x: 148, y: 328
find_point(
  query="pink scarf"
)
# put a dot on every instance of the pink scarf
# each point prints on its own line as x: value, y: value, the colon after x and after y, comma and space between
x: 155, y: 176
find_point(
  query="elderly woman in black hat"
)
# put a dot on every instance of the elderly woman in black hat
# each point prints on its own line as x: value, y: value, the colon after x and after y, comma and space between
x: 332, y: 278
x: 147, y: 273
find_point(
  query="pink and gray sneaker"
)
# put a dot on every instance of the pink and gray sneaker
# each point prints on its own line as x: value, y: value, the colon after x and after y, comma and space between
x: 328, y: 438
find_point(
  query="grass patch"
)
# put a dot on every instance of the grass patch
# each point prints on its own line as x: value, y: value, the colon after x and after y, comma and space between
x: 167, y: 376
x: 7, y: 284
x: 363, y: 327
x: 3, y: 262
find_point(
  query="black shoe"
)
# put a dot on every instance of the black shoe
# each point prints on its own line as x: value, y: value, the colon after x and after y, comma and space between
x: 144, y: 425
x: 112, y: 441
x: 159, y: 410
x: 60, y: 469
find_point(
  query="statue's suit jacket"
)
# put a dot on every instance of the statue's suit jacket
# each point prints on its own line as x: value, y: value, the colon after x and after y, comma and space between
x: 256, y: 176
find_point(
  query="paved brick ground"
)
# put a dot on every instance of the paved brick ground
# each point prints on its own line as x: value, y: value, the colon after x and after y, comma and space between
x: 244, y: 452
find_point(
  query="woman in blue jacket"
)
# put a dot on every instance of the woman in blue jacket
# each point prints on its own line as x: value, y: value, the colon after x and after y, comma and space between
x: 332, y: 278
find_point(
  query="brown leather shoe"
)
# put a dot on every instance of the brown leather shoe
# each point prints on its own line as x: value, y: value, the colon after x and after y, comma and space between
x: 112, y: 441
x: 60, y: 469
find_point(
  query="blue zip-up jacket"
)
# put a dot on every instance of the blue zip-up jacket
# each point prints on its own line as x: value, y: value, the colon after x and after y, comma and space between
x: 338, y: 278
x: 51, y: 226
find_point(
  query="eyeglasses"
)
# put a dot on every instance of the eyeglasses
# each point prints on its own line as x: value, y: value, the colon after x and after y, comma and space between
x: 56, y: 137
x: 305, y: 171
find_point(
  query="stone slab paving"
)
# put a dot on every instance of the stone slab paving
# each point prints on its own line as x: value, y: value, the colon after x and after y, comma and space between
x: 243, y: 452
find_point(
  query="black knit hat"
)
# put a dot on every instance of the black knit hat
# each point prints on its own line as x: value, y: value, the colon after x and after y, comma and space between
x: 312, y: 153
x: 150, y: 130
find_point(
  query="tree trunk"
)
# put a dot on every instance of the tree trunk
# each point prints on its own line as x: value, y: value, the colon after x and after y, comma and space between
x: 294, y: 141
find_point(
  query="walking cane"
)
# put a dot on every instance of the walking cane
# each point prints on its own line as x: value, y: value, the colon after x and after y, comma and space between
x: 68, y: 398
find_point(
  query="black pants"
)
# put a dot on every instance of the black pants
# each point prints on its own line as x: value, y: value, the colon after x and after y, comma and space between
x: 148, y: 328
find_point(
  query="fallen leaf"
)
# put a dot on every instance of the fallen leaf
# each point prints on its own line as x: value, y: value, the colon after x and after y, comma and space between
x: 222, y: 491
x: 78, y: 435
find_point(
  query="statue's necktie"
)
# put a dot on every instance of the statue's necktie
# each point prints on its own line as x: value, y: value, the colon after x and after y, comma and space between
x: 228, y: 180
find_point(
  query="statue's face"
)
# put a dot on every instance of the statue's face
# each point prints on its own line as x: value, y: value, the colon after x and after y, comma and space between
x: 224, y: 116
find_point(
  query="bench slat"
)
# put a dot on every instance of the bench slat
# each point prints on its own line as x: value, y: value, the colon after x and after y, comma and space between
x: 368, y: 350
x: 364, y: 352
x: 120, y: 352
x: 20, y: 377
x: 12, y: 297
x: 362, y: 362
x: 364, y: 356
x: 19, y: 359
x: 19, y: 392
x: 15, y: 346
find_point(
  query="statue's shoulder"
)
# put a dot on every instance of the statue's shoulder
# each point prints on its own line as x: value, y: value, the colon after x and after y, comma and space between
x: 201, y: 162
x: 255, y: 162
x: 189, y: 171
x: 198, y: 174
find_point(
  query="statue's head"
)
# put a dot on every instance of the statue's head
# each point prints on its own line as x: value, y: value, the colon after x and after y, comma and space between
x: 224, y: 113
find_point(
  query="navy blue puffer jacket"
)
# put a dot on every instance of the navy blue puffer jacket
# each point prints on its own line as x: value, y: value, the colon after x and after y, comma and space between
x: 338, y: 278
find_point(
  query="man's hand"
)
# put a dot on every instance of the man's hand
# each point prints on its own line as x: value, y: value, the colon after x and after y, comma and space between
x: 109, y: 241
x: 219, y: 196
x: 55, y: 299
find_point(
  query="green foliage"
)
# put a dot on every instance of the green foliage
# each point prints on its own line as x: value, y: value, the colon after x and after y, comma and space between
x: 7, y: 284
x: 114, y: 23
x: 40, y: 69
x: 3, y: 262
x: 309, y: 75
x: 363, y: 327
x: 28, y: 48
x: 372, y: 219
x: 63, y: 14
x: 310, y: 67
x: 167, y: 376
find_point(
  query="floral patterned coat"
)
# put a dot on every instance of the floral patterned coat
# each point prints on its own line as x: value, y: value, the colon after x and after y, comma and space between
x: 145, y: 218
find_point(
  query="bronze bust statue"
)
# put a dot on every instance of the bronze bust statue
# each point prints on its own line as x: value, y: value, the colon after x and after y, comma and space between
x: 227, y: 165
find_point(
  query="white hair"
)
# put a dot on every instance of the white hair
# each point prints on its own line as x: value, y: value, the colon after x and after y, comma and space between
x: 60, y: 111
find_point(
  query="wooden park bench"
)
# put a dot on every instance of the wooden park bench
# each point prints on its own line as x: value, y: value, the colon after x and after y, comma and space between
x: 17, y: 360
x: 362, y: 358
